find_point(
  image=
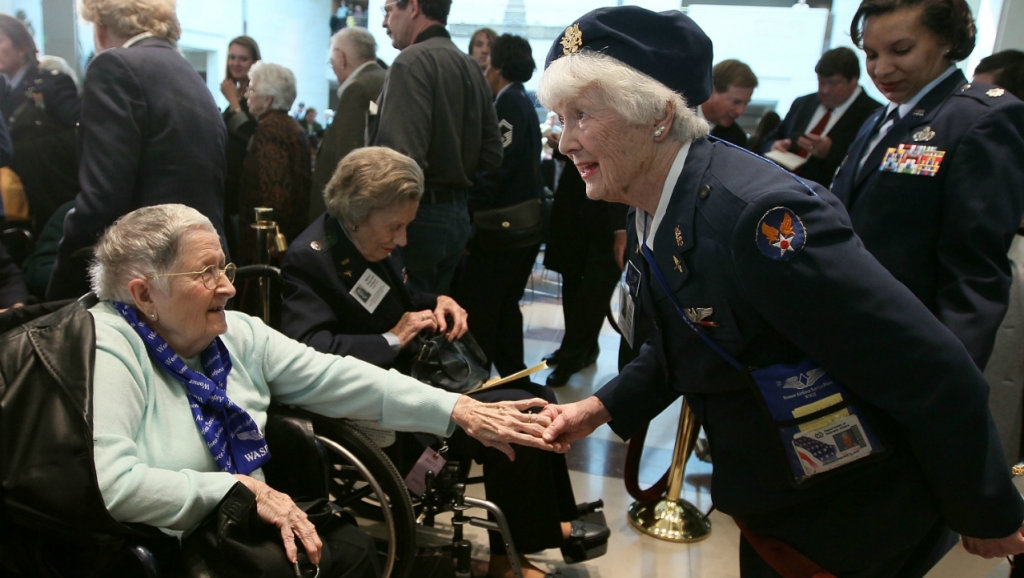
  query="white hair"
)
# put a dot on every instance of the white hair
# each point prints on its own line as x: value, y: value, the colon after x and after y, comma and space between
x: 636, y: 97
x: 50, y: 62
x: 141, y: 244
x: 266, y: 79
x: 126, y: 18
x: 356, y: 42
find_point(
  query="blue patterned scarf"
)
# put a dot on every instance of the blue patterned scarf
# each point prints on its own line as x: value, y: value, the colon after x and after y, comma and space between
x: 238, y: 449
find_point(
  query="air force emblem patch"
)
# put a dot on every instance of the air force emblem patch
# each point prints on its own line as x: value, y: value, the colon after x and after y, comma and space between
x: 780, y: 234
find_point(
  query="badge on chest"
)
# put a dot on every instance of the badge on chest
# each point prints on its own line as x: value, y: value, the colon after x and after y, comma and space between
x: 629, y: 290
x: 369, y: 290
x: 912, y: 160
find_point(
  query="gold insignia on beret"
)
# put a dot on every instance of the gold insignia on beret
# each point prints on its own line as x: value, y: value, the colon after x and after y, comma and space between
x: 996, y: 92
x: 572, y: 40
x: 924, y: 135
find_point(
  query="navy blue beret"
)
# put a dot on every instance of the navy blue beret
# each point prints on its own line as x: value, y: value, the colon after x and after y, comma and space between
x: 667, y: 46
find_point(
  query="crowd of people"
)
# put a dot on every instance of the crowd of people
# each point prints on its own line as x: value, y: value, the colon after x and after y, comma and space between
x: 827, y: 316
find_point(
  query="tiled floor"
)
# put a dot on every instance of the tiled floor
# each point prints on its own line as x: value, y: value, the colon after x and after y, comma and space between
x: 596, y: 466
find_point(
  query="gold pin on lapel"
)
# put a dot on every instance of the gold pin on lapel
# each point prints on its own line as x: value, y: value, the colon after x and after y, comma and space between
x: 344, y: 261
x: 637, y: 250
x: 679, y: 266
x: 679, y: 237
x: 347, y: 273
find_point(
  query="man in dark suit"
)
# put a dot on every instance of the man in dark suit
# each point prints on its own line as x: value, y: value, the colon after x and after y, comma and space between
x: 353, y: 59
x: 734, y: 84
x: 150, y: 134
x: 821, y: 126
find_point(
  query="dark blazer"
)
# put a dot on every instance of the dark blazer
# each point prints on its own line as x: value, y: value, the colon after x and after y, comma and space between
x: 150, y: 134
x: 733, y: 133
x: 842, y: 134
x: 54, y: 91
x: 518, y: 179
x: 576, y: 221
x: 321, y: 267
x: 833, y: 302
x: 946, y: 237
x: 346, y: 132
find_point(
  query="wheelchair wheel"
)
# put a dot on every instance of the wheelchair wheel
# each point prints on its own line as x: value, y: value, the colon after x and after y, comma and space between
x: 364, y: 481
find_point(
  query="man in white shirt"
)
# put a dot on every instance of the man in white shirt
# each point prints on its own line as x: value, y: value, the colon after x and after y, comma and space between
x: 734, y: 83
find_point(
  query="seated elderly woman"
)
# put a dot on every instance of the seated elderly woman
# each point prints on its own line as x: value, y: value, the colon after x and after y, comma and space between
x: 370, y: 200
x: 277, y: 169
x: 182, y: 388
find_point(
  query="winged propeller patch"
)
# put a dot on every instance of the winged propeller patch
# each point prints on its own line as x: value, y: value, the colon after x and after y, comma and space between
x: 780, y: 234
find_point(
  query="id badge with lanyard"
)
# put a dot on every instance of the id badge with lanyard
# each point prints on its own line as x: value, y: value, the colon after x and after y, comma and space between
x: 819, y: 425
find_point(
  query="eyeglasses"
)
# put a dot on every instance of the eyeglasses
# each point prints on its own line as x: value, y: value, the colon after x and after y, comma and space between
x: 210, y: 275
x: 384, y: 9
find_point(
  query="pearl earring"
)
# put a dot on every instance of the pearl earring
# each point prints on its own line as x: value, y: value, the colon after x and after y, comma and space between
x: 660, y: 131
x: 152, y: 316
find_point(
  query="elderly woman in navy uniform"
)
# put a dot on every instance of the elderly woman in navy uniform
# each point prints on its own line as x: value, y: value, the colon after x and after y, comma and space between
x: 933, y: 182
x: 41, y: 108
x: 764, y: 302
x: 346, y: 293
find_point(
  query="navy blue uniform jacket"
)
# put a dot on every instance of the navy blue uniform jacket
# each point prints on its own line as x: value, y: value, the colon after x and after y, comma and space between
x: 57, y: 93
x: 834, y: 303
x: 842, y: 134
x: 150, y: 134
x: 321, y: 267
x: 946, y: 237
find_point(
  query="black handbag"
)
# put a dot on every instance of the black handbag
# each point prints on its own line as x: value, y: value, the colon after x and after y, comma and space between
x: 233, y: 541
x: 513, y: 227
x: 458, y: 366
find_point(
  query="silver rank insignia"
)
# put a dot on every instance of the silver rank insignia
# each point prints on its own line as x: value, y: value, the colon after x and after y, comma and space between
x: 996, y: 92
x: 699, y: 315
x: 316, y: 246
x: 924, y: 135
x: 965, y: 88
x: 679, y: 237
x: 918, y: 112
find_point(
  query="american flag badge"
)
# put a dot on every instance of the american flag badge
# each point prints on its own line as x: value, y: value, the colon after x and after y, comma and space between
x: 699, y: 315
x: 907, y: 159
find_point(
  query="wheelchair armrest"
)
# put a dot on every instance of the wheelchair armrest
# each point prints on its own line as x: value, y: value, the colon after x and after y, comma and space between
x: 297, y: 465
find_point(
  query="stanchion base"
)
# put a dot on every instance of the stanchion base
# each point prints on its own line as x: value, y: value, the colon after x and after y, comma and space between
x: 670, y: 520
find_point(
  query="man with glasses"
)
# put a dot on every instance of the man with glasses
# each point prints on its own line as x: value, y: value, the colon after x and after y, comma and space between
x: 436, y: 108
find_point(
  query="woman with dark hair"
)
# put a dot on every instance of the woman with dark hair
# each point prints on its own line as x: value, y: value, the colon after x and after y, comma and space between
x: 933, y: 182
x: 242, y: 53
x: 1005, y: 69
x: 41, y: 108
x: 497, y: 267
x: 480, y: 45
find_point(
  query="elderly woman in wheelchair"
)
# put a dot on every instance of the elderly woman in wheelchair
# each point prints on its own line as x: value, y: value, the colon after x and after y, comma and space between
x: 182, y: 388
x: 346, y: 293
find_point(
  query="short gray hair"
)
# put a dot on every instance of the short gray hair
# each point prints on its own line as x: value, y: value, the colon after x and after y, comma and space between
x: 370, y: 179
x: 266, y: 79
x: 141, y: 244
x: 128, y: 18
x: 359, y: 40
x: 636, y: 97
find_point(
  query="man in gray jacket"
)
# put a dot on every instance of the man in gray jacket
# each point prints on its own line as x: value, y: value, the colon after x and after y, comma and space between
x: 436, y: 108
x: 354, y: 60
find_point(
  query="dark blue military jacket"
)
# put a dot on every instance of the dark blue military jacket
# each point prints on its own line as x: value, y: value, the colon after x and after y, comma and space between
x: 828, y: 299
x: 49, y: 89
x: 946, y: 236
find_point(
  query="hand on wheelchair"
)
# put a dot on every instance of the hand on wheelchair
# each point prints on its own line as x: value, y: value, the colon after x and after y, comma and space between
x: 278, y: 509
x: 498, y: 425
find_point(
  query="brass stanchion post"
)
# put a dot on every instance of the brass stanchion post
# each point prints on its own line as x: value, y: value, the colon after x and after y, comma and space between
x: 673, y: 518
x: 266, y: 236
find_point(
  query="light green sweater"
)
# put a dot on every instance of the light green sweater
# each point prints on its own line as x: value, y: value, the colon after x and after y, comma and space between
x: 153, y: 464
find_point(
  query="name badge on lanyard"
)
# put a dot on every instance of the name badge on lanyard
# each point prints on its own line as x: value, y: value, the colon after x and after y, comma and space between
x: 629, y: 291
x: 370, y: 290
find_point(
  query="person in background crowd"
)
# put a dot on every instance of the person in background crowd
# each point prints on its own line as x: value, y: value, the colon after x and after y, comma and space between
x: 752, y: 276
x: 278, y: 166
x: 734, y: 86
x: 821, y: 126
x: 436, y: 108
x: 941, y: 218
x: 41, y: 108
x: 768, y: 123
x: 309, y: 123
x: 339, y: 20
x: 360, y: 78
x: 480, y: 45
x: 13, y: 292
x: 242, y: 53
x: 1004, y: 69
x: 150, y: 132
x: 39, y: 264
x: 495, y: 272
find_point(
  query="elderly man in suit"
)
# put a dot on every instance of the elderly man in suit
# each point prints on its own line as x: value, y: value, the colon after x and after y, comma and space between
x: 150, y: 132
x: 821, y: 126
x: 733, y: 84
x: 354, y: 61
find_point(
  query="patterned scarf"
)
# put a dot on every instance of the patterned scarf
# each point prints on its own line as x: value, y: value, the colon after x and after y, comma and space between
x: 239, y: 448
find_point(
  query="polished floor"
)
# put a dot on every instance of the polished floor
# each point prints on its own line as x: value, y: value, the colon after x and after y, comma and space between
x: 596, y: 469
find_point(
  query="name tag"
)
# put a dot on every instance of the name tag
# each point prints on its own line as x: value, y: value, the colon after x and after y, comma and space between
x: 912, y: 160
x: 628, y: 291
x: 370, y: 290
x: 430, y: 461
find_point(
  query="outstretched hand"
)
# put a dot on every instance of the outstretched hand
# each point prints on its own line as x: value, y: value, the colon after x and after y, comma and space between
x: 498, y: 425
x: 573, y: 421
x: 278, y: 509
